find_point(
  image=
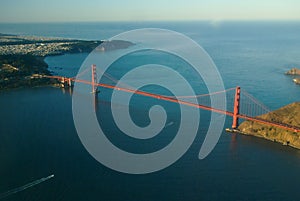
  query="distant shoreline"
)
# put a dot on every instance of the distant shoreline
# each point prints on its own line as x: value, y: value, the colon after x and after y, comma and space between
x: 21, y: 57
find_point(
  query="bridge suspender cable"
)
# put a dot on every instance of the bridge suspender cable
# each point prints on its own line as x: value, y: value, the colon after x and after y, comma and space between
x: 235, y: 114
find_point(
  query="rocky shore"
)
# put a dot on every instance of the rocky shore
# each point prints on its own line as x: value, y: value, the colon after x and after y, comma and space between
x: 289, y: 114
x: 295, y: 72
x: 296, y: 80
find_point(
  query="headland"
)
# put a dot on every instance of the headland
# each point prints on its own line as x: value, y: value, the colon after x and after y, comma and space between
x: 289, y: 114
x: 22, y: 57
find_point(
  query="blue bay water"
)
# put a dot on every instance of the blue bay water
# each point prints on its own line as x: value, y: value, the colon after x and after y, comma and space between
x: 38, y: 137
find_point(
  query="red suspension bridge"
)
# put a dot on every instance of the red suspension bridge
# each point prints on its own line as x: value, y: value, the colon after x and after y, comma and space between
x: 249, y: 110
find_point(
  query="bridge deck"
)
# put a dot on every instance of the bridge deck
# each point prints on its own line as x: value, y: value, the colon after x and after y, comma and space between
x: 170, y: 99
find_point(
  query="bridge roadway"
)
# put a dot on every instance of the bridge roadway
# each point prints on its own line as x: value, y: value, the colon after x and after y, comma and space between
x: 170, y: 99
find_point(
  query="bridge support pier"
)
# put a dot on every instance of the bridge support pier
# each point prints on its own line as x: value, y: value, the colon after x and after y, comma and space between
x: 236, y: 109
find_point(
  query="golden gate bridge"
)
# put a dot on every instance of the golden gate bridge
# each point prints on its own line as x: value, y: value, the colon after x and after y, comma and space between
x: 244, y: 107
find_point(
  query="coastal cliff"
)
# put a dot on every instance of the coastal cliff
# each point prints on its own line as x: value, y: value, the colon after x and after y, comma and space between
x: 289, y: 114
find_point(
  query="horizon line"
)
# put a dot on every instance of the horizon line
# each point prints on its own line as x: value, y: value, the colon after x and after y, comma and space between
x: 145, y: 21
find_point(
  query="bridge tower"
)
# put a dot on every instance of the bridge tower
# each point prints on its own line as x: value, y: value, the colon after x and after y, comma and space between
x: 94, y: 79
x: 236, y: 109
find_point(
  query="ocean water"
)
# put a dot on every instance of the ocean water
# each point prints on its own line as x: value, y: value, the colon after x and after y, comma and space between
x: 38, y: 136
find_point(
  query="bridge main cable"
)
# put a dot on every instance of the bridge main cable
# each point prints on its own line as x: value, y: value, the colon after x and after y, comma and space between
x: 174, y: 100
x: 161, y: 97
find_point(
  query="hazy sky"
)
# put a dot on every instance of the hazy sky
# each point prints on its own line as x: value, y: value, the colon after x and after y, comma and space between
x: 140, y: 10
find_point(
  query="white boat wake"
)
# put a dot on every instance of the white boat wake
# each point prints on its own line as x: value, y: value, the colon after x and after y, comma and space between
x: 22, y: 188
x: 169, y: 124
